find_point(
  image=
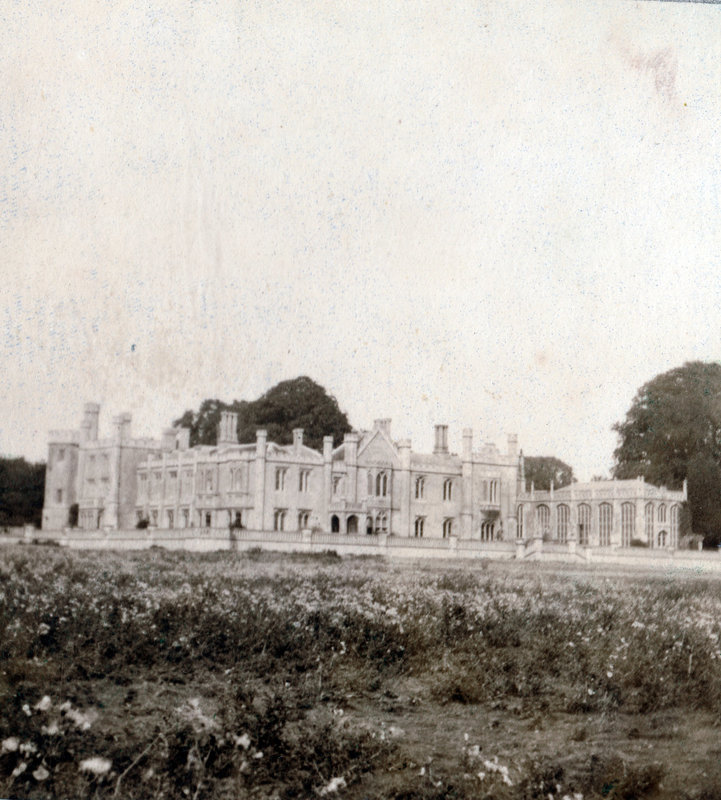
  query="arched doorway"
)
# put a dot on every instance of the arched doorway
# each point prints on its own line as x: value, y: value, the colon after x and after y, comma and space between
x: 352, y: 524
x: 369, y: 526
x: 334, y: 524
x: 662, y: 538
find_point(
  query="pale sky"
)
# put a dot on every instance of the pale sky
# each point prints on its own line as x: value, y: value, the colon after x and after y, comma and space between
x: 500, y: 215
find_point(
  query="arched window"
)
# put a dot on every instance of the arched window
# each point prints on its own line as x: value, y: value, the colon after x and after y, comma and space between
x: 494, y: 492
x: 543, y: 521
x: 351, y: 524
x: 584, y: 523
x: 370, y: 483
x: 334, y: 524
x: 648, y: 523
x: 369, y: 526
x: 605, y: 524
x: 303, y: 519
x: 628, y: 523
x: 448, y: 489
x: 447, y: 528
x: 662, y: 513
x: 520, y: 513
x: 420, y: 487
x: 382, y: 484
x: 485, y: 492
x: 420, y: 524
x: 381, y: 523
x: 563, y: 515
x: 279, y: 520
x: 675, y: 522
x: 488, y: 529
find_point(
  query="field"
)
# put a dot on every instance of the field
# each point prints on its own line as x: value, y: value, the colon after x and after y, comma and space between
x: 169, y: 675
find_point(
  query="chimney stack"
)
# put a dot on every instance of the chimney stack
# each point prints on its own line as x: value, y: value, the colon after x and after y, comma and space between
x: 228, y: 428
x: 440, y: 446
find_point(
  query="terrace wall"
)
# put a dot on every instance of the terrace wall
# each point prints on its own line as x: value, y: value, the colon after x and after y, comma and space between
x: 396, y: 547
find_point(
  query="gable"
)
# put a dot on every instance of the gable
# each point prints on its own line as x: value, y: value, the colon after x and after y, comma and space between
x: 378, y: 451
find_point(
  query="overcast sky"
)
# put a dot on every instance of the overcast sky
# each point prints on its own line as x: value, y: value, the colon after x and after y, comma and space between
x: 502, y: 215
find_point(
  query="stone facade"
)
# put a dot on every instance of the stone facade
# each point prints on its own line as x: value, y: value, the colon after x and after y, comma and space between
x: 368, y: 484
x: 604, y: 514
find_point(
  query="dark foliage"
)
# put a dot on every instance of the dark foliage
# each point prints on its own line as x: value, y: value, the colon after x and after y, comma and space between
x: 672, y: 432
x: 544, y: 469
x: 297, y: 403
x: 22, y: 487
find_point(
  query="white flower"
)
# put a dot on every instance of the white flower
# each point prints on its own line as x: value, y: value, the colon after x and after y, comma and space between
x: 28, y: 747
x: 40, y: 774
x: 242, y: 741
x: 333, y: 785
x: 51, y: 729
x: 10, y: 745
x: 609, y: 674
x: 44, y: 704
x: 97, y: 765
x: 21, y: 767
x: 26, y: 710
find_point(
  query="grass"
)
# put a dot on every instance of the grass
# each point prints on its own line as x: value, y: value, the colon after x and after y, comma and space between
x: 173, y: 675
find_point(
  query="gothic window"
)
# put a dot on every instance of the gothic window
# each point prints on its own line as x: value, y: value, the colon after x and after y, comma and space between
x: 279, y: 520
x: 420, y: 487
x: 675, y: 516
x: 448, y: 489
x: 419, y: 525
x: 543, y: 521
x: 381, y: 523
x: 520, y: 514
x: 303, y: 519
x: 382, y: 484
x: 447, y: 527
x: 662, y: 513
x: 488, y: 529
x: 494, y: 492
x: 280, y: 474
x: 337, y: 485
x: 628, y: 523
x: 303, y: 478
x: 563, y: 514
x: 584, y: 523
x: 648, y: 523
x: 605, y: 524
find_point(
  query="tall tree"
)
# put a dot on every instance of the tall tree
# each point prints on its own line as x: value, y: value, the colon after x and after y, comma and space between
x: 22, y: 489
x: 297, y: 403
x: 544, y: 469
x: 672, y: 432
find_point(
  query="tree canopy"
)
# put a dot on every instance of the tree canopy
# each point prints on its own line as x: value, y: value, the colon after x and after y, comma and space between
x: 672, y: 432
x: 22, y: 489
x: 297, y: 403
x: 544, y: 469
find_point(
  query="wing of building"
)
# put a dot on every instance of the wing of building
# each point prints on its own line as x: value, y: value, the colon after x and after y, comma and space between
x: 369, y: 484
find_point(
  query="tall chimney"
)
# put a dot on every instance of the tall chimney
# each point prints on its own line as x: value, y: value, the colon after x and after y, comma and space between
x: 91, y: 412
x: 228, y: 428
x: 297, y: 439
x: 440, y: 446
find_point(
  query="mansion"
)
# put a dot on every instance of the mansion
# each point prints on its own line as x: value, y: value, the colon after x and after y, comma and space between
x: 369, y: 484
